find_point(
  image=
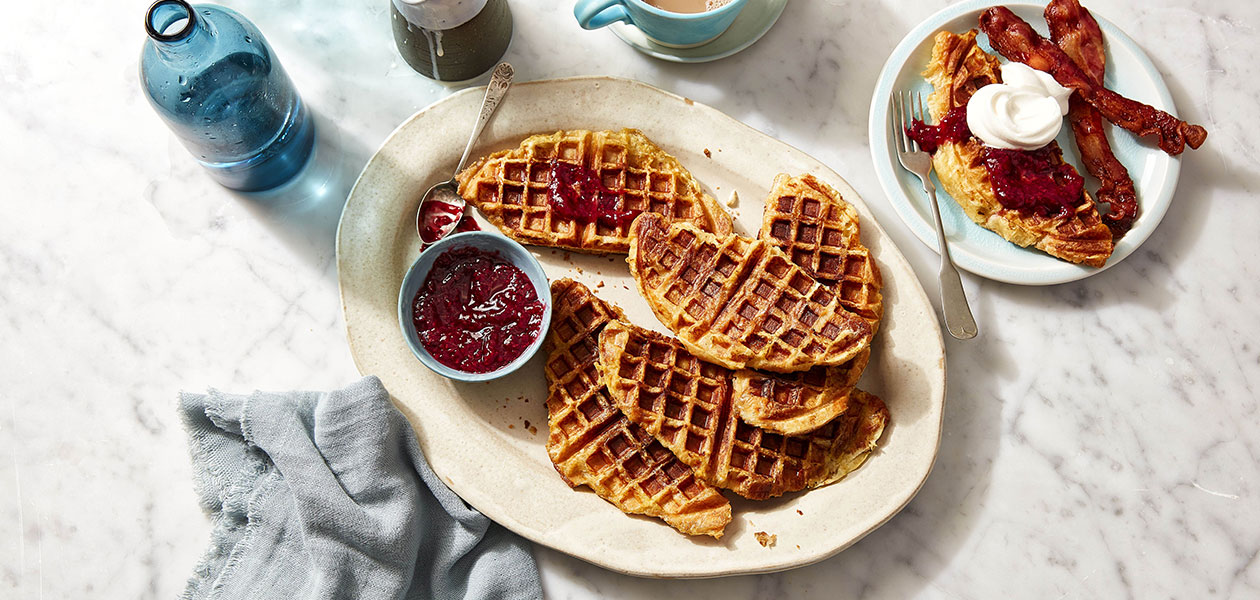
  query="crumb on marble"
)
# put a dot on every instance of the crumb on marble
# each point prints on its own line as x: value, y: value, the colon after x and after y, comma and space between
x: 707, y: 154
x: 533, y: 430
x: 511, y: 426
x: 733, y: 200
x: 798, y: 511
x: 765, y: 539
x: 689, y: 101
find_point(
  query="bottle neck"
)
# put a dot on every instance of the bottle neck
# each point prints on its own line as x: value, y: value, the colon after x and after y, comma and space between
x: 174, y: 24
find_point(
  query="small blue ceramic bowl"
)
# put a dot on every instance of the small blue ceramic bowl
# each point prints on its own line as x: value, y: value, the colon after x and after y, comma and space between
x: 676, y: 30
x: 482, y: 240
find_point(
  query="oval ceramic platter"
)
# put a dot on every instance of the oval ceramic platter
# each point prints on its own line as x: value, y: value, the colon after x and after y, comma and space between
x: 486, y: 440
x: 973, y: 247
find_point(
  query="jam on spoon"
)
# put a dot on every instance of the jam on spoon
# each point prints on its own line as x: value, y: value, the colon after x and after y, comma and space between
x: 436, y: 216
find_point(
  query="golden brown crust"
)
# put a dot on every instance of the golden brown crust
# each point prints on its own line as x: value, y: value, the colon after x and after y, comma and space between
x: 686, y: 404
x: 797, y: 402
x: 509, y: 187
x: 811, y: 222
x: 958, y: 68
x: 590, y: 442
x: 739, y: 302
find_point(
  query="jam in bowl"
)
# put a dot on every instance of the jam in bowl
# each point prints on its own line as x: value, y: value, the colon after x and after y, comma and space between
x: 475, y: 306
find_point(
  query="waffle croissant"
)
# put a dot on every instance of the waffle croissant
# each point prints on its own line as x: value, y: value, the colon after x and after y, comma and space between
x: 792, y: 403
x: 592, y: 443
x: 686, y: 404
x: 628, y: 175
x: 812, y: 223
x: 740, y: 302
x: 957, y: 69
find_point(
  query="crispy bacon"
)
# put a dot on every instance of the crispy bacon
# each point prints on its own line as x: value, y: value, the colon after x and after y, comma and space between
x: 1076, y: 32
x: 1016, y: 40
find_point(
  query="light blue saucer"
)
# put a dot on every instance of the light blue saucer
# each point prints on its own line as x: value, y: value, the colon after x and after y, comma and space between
x: 974, y: 248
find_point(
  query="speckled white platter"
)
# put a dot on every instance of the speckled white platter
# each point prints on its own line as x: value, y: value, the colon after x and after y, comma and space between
x: 486, y: 440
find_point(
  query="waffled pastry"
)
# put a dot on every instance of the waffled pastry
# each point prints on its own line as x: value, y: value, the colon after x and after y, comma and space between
x: 812, y: 223
x: 957, y: 69
x: 794, y: 403
x: 613, y: 175
x: 740, y: 302
x: 592, y: 443
x: 686, y: 404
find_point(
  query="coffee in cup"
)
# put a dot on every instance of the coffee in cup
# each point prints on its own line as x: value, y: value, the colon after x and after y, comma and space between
x: 672, y: 23
x: 687, y: 6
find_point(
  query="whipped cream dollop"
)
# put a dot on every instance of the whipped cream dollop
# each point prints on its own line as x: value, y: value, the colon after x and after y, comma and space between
x: 1024, y: 112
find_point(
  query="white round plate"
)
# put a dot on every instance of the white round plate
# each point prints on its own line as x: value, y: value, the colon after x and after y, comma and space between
x: 486, y: 440
x: 754, y: 20
x: 973, y: 247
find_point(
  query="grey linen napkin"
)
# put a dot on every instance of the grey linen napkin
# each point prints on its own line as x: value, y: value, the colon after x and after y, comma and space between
x: 327, y: 495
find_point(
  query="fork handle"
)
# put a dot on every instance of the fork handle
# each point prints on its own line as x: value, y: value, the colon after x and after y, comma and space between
x: 958, y: 319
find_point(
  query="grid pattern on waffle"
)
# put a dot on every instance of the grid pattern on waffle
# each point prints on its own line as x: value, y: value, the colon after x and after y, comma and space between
x: 796, y: 402
x: 686, y: 403
x: 592, y: 443
x: 739, y: 302
x: 511, y: 188
x: 819, y: 231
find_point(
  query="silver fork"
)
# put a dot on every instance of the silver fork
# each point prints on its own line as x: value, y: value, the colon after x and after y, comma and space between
x: 958, y: 319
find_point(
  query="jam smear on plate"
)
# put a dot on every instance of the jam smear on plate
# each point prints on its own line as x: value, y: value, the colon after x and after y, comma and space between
x: 575, y: 192
x: 476, y: 312
x: 1033, y: 181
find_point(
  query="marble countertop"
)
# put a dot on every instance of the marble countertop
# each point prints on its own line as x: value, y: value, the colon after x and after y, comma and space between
x: 1101, y: 438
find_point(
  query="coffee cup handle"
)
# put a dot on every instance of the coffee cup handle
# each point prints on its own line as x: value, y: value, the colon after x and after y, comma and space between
x: 593, y: 14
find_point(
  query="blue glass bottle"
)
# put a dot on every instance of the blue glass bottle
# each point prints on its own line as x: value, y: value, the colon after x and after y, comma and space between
x: 211, y: 76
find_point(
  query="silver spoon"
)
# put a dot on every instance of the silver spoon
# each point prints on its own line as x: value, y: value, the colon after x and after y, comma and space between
x: 448, y: 191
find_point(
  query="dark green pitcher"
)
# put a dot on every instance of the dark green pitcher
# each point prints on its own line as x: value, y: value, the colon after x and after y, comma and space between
x: 451, y: 40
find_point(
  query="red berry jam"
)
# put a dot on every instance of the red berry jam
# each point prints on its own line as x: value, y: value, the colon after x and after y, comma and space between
x: 476, y: 312
x: 1036, y: 181
x: 575, y: 192
x: 952, y: 128
x: 437, y: 215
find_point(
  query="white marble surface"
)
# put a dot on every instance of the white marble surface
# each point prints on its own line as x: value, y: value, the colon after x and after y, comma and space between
x: 1101, y: 437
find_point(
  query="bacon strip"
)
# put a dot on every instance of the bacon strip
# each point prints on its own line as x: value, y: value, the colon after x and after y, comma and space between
x: 1016, y: 40
x: 1076, y: 32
